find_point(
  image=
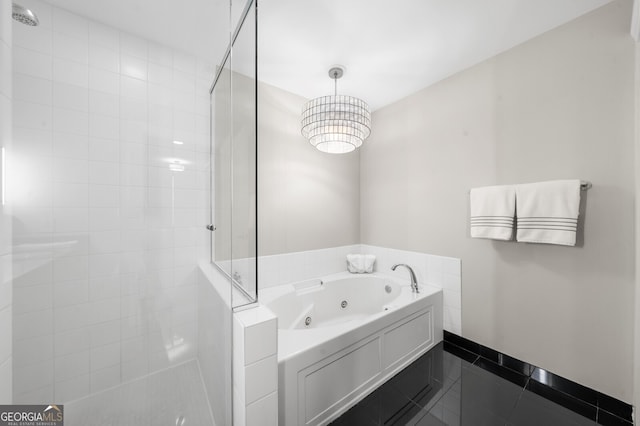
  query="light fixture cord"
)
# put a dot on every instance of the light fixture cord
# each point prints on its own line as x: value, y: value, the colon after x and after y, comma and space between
x: 335, y: 83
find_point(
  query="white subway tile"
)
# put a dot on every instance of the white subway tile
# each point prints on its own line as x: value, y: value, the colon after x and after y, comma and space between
x: 72, y: 365
x: 70, y: 318
x: 133, y: 88
x: 132, y: 175
x: 32, y: 89
x: 70, y: 24
x: 42, y: 394
x: 31, y: 351
x: 105, y: 356
x: 5, y: 331
x: 133, y: 45
x: 6, y: 378
x: 70, y: 97
x: 452, y: 282
x: 33, y: 116
x: 104, y: 149
x: 261, y: 378
x: 32, y: 143
x: 33, y: 377
x: 159, y: 95
x: 71, y: 48
x: 185, y: 63
x: 70, y: 72
x: 67, y: 293
x: 39, y: 38
x: 69, y: 121
x: 260, y: 341
x: 102, y: 288
x: 104, y: 127
x: 451, y: 266
x: 72, y: 268
x: 103, y: 81
x: 133, y: 66
x: 104, y: 58
x: 103, y: 173
x: 69, y: 342
x: 453, y: 320
x: 104, y: 196
x: 72, y: 389
x: 32, y: 299
x: 105, y: 310
x: 30, y: 325
x: 104, y: 265
x: 103, y: 36
x: 135, y: 368
x: 70, y: 145
x: 133, y: 131
x: 67, y: 219
x: 103, y: 242
x: 105, y: 378
x: 101, y: 103
x: 32, y: 63
x: 452, y: 299
x: 105, y: 333
x: 161, y: 55
x: 161, y: 75
x: 263, y: 412
x: 69, y: 170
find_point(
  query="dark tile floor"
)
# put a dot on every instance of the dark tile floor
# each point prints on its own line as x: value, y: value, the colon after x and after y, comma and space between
x: 450, y: 386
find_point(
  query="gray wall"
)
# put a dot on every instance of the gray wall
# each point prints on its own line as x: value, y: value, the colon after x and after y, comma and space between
x: 559, y: 106
x: 5, y: 215
x: 307, y: 199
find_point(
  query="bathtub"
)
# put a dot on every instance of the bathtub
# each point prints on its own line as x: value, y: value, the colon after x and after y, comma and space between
x: 342, y: 336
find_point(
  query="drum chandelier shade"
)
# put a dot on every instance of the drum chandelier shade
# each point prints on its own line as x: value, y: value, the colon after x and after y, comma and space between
x: 336, y: 124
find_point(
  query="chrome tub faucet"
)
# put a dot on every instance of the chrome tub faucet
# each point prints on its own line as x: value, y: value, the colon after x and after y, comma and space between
x: 414, y: 281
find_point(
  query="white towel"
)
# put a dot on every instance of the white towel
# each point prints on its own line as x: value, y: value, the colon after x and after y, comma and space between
x: 547, y: 212
x: 360, y: 263
x: 492, y: 211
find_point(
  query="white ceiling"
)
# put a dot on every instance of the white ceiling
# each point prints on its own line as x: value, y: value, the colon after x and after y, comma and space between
x: 391, y: 48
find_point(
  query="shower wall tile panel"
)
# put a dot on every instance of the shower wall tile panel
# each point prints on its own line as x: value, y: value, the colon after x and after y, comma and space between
x: 107, y: 238
x: 6, y: 293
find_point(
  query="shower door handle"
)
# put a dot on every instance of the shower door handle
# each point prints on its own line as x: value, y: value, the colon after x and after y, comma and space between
x: 211, y: 227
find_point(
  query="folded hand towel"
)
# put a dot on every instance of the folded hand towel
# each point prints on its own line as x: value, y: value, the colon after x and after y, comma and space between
x: 492, y: 212
x: 360, y: 263
x: 548, y: 212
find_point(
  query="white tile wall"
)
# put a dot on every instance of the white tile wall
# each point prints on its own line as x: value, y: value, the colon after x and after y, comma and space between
x: 438, y: 271
x: 6, y: 293
x: 255, y: 367
x: 108, y: 237
x: 215, y: 339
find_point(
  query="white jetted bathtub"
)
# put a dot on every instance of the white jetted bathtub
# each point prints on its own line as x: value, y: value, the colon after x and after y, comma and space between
x: 341, y: 337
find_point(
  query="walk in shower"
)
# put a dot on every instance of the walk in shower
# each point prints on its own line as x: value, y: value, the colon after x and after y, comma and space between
x: 115, y: 159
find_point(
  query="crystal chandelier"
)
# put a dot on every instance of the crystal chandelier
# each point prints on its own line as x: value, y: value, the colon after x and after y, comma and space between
x: 336, y: 124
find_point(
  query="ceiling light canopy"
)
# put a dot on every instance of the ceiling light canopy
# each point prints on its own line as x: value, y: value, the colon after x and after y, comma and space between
x: 336, y: 124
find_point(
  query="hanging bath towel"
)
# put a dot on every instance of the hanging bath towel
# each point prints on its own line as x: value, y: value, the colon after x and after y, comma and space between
x: 492, y: 212
x: 548, y: 212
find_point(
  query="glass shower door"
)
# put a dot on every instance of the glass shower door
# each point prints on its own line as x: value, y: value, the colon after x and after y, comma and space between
x: 234, y: 147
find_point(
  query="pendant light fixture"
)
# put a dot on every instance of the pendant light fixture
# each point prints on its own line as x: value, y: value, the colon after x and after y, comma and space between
x: 336, y: 124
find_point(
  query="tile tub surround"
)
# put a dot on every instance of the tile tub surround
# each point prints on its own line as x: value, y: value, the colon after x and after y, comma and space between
x: 6, y: 311
x: 438, y: 271
x: 106, y: 241
x: 252, y: 332
x: 585, y: 401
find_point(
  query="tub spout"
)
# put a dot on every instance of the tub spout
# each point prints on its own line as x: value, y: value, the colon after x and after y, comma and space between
x: 414, y: 281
